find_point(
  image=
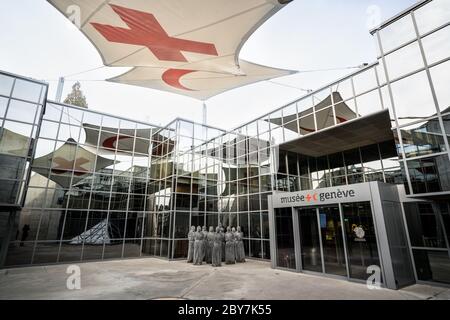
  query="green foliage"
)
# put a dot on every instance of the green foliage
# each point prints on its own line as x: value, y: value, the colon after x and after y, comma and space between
x: 76, y: 97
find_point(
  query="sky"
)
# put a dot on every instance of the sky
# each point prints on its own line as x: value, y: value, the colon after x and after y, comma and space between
x: 39, y: 42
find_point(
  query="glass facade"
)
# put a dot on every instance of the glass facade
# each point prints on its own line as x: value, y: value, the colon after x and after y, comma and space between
x: 102, y: 187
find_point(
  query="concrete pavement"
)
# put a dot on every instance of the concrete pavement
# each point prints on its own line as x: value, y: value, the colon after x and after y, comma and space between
x: 159, y: 279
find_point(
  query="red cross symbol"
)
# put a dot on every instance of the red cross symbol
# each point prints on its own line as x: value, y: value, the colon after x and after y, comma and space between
x: 145, y: 30
x: 308, y: 197
x: 65, y: 166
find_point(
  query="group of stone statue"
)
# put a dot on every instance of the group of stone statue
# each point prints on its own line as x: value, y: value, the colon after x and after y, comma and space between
x: 215, y: 247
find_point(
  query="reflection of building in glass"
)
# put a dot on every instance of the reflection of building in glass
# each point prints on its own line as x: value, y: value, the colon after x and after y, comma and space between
x: 78, y: 185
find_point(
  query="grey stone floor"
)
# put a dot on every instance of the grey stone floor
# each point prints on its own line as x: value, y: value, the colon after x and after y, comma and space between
x: 159, y: 279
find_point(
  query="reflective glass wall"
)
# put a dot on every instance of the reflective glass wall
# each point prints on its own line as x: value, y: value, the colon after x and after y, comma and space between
x: 91, y: 189
x: 22, y: 102
x: 21, y: 107
x: 414, y: 51
x: 415, y: 54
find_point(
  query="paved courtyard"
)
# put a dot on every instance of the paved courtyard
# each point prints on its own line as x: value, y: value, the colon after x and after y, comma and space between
x: 159, y: 279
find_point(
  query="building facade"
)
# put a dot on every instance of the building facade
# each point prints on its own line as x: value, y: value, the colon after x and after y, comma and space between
x: 353, y: 175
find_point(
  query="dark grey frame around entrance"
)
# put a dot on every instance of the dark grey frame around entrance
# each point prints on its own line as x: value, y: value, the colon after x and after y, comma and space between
x: 391, y: 238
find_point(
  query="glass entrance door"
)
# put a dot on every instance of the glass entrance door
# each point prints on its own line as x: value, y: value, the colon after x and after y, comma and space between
x: 362, y: 249
x: 332, y: 241
x: 310, y: 240
x: 321, y: 240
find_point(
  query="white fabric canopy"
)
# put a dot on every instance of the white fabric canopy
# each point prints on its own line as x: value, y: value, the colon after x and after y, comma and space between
x: 324, y: 116
x: 126, y: 141
x: 189, y: 47
x: 70, y: 159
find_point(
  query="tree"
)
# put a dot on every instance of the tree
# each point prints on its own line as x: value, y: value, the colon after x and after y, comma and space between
x: 76, y: 97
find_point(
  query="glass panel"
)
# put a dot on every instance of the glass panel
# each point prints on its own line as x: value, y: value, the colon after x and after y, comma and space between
x: 403, y: 61
x: 365, y: 81
x: 413, y: 106
x: 432, y: 265
x: 432, y: 15
x: 426, y: 174
x: 74, y: 225
x: 424, y: 226
x: 266, y: 246
x: 52, y: 112
x: 337, y: 164
x: 6, y: 85
x: 255, y: 225
x: 437, y: 45
x: 397, y: 33
x: 10, y: 191
x: 27, y: 90
x: 325, y: 118
x: 332, y: 241
x: 423, y: 138
x: 343, y: 91
x: 369, y: 103
x: 310, y: 240
x: 50, y: 226
x: 70, y: 251
x: 25, y: 130
x: 113, y: 250
x: 46, y: 252
x: 3, y: 106
x: 19, y: 253
x: 362, y: 249
x: 441, y: 78
x: 265, y: 225
x: 49, y: 130
x: 180, y: 248
x: 132, y: 248
x: 256, y: 249
x: 444, y: 207
x: 307, y: 125
x: 285, y: 238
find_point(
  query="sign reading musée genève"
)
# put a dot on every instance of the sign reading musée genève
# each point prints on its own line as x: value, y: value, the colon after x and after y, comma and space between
x: 353, y: 193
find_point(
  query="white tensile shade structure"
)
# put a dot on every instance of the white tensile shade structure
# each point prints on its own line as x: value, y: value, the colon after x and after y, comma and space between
x: 188, y: 47
x: 70, y: 164
x: 14, y: 144
x: 323, y: 113
x: 123, y: 141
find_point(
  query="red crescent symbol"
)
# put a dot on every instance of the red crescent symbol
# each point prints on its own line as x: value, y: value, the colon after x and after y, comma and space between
x: 315, y: 196
x: 306, y: 129
x: 341, y: 120
x: 172, y: 78
x: 109, y: 143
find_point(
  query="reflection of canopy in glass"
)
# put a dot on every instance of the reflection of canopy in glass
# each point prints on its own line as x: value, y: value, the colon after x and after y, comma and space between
x: 324, y: 116
x: 14, y: 144
x: 189, y: 47
x: 110, y: 138
x: 425, y: 134
x: 70, y: 158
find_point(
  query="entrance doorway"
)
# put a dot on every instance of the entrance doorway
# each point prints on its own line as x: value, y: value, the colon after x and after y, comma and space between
x: 338, y: 240
x: 322, y: 243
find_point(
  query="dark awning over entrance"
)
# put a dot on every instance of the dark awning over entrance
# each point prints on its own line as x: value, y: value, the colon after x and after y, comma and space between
x: 355, y: 133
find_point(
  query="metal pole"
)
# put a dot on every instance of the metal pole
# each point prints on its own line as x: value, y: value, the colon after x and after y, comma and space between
x: 205, y: 114
x: 60, y: 89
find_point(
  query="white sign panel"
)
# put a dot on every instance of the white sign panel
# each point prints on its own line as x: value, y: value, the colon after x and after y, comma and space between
x: 342, y: 194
